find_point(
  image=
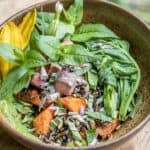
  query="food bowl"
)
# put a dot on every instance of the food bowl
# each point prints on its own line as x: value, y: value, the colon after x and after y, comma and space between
x: 127, y: 26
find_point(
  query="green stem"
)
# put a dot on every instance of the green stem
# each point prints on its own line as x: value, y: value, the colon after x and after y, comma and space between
x: 124, y: 108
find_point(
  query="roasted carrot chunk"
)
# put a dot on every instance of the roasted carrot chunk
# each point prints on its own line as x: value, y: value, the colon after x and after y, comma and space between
x: 106, y: 130
x: 34, y: 97
x: 73, y: 104
x: 42, y: 121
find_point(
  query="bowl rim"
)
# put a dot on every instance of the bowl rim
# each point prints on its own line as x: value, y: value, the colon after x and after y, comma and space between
x: 20, y: 137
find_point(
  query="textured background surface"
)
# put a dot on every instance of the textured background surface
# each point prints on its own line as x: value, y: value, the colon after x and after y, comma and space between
x: 139, y: 142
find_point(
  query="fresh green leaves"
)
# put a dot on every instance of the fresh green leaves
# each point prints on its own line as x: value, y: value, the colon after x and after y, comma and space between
x: 91, y: 135
x: 49, y: 45
x: 92, y: 79
x: 34, y: 59
x: 110, y: 101
x: 8, y: 85
x: 74, y: 13
x: 89, y: 31
x: 11, y: 53
x: 74, y: 131
x: 99, y: 116
x: 74, y: 55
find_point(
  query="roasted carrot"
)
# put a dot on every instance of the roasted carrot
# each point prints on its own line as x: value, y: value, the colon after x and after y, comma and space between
x: 73, y: 104
x: 106, y: 130
x: 42, y: 121
x: 34, y: 97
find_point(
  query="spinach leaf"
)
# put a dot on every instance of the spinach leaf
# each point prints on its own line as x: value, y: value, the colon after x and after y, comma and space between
x: 11, y: 53
x: 23, y: 82
x: 99, y: 115
x: 89, y: 31
x: 92, y: 79
x: 43, y: 22
x: 74, y: 55
x: 74, y: 131
x: 91, y: 135
x: 136, y: 107
x: 64, y: 29
x: 74, y: 13
x: 49, y: 46
x: 7, y: 86
x: 90, y: 103
x: 33, y: 58
x: 110, y: 101
x: 34, y: 39
x: 7, y: 108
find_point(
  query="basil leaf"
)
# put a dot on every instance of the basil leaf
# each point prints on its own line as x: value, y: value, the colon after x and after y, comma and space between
x: 63, y: 29
x: 43, y: 22
x: 92, y: 79
x: 74, y: 13
x: 90, y: 103
x: 49, y: 46
x: 7, y: 86
x: 74, y: 55
x: 23, y: 82
x: 74, y: 131
x: 99, y: 115
x: 11, y: 53
x: 89, y: 31
x: 110, y: 101
x: 33, y: 58
x: 91, y: 135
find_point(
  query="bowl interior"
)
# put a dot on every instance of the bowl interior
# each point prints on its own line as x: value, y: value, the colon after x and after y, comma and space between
x: 126, y: 26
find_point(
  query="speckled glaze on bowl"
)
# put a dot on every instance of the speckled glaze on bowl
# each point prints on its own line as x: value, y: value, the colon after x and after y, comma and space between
x: 127, y: 26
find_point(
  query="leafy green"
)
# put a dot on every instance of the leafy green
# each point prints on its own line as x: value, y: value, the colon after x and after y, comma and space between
x: 55, y: 123
x: 34, y: 59
x: 91, y: 135
x: 7, y: 108
x: 74, y: 13
x: 110, y: 101
x: 43, y: 22
x: 89, y: 31
x: 23, y: 82
x: 64, y: 29
x: 136, y: 107
x: 74, y: 55
x: 11, y: 53
x: 49, y: 46
x: 90, y: 103
x: 99, y: 115
x: 92, y: 79
x: 74, y: 131
x: 7, y: 86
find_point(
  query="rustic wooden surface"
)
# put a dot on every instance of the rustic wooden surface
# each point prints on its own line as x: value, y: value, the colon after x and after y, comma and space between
x: 139, y: 142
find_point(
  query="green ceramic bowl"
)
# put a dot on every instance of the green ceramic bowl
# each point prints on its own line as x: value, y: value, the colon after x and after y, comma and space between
x: 128, y: 27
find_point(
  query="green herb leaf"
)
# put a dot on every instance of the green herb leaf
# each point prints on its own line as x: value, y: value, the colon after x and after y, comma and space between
x: 49, y: 46
x: 99, y: 115
x: 90, y: 103
x: 34, y: 59
x: 74, y: 55
x: 7, y: 86
x: 75, y: 12
x: 74, y: 131
x: 110, y: 101
x: 88, y: 31
x: 92, y: 79
x: 64, y: 29
x: 11, y: 53
x: 43, y: 22
x: 91, y: 135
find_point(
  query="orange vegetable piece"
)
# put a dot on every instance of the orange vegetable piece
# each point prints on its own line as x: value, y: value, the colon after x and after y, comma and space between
x: 42, y: 121
x: 34, y: 97
x: 106, y: 130
x: 73, y: 104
